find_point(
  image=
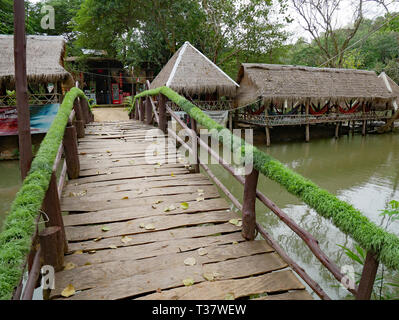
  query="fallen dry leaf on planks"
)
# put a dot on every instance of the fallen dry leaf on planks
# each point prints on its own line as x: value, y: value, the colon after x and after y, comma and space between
x: 69, y: 291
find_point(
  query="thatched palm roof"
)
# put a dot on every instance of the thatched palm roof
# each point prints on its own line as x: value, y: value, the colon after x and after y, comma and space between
x: 190, y: 72
x: 44, y: 59
x: 280, y: 83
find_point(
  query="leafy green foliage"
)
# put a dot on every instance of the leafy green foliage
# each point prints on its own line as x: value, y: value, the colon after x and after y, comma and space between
x: 348, y: 219
x: 19, y: 226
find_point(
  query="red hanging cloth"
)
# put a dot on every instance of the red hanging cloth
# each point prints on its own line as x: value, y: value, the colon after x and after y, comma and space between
x: 317, y: 113
x: 351, y: 110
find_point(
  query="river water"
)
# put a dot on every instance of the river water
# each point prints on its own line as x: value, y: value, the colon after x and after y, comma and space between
x: 363, y: 171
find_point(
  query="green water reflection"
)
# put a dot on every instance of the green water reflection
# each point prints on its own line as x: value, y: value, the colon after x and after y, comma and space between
x: 363, y: 171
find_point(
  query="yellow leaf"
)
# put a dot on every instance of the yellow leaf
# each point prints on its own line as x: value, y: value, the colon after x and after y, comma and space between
x: 69, y: 266
x: 200, y: 199
x: 172, y: 174
x: 87, y: 264
x: 125, y: 198
x: 190, y: 261
x: 208, y: 276
x: 105, y: 229
x: 202, y: 252
x: 229, y: 296
x: 78, y: 252
x: 188, y: 282
x: 113, y: 247
x: 92, y: 252
x: 184, y: 205
x: 97, y: 239
x: 69, y: 291
x: 126, y: 240
x: 142, y: 225
x: 150, y: 227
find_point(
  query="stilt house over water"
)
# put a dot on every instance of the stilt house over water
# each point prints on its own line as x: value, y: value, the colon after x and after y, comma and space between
x: 192, y: 74
x: 282, y: 95
x: 47, y: 78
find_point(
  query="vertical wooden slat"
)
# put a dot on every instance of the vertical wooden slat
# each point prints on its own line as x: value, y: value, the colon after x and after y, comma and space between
x: 21, y: 86
x: 162, y: 113
x: 148, y: 111
x: 194, y: 138
x: 51, y: 245
x: 248, y: 208
x: 71, y: 152
x: 51, y: 206
x: 368, y: 277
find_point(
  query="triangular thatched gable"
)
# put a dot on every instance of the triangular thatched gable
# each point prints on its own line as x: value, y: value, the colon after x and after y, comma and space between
x: 278, y: 84
x: 44, y: 59
x: 190, y: 72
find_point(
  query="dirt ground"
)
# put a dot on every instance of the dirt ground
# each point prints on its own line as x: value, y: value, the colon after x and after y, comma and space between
x: 109, y: 114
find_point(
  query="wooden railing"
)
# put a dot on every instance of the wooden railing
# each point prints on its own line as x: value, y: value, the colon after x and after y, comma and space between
x: 290, y: 120
x: 50, y: 244
x: 150, y: 111
x: 34, y: 99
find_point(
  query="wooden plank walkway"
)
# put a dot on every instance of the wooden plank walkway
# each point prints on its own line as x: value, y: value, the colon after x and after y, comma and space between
x: 125, y: 244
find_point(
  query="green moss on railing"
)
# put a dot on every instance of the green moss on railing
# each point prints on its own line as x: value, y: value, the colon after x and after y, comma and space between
x: 344, y: 216
x: 19, y: 226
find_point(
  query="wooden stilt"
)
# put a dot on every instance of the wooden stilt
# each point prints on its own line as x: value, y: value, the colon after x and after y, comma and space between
x: 364, y: 128
x: 307, y: 133
x: 148, y: 111
x: 231, y: 121
x: 196, y: 165
x: 268, y: 141
x: 337, y: 130
x: 162, y: 113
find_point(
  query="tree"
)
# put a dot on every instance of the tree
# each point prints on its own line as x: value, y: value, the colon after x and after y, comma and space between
x: 6, y: 17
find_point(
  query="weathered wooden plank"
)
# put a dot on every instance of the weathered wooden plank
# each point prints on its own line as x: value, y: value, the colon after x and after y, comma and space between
x: 220, y: 290
x: 132, y: 173
x: 151, y: 249
x: 92, y: 276
x: 115, y: 215
x: 144, y: 238
x: 292, y: 295
x: 137, y: 193
x: 134, y: 226
x: 133, y: 184
x: 80, y: 205
x: 170, y: 278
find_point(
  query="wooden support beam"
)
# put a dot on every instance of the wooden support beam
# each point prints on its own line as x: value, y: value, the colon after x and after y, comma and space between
x: 268, y: 140
x: 79, y: 122
x: 21, y: 86
x: 71, y: 152
x: 194, y: 147
x: 142, y: 110
x: 337, y: 127
x: 52, y: 208
x: 163, y: 121
x: 51, y: 246
x: 148, y: 111
x: 248, y: 208
x: 368, y: 277
x: 137, y: 110
x: 364, y: 128
x: 307, y: 133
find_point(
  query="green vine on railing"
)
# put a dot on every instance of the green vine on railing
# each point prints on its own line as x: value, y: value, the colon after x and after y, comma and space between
x: 19, y: 226
x: 343, y: 215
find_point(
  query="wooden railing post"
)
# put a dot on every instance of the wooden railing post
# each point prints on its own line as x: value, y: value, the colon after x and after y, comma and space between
x: 369, y: 273
x: 79, y: 122
x: 162, y: 113
x: 248, y: 208
x: 84, y: 105
x: 196, y: 165
x: 142, y: 109
x: 136, y: 111
x: 51, y: 247
x: 148, y: 111
x: 71, y: 152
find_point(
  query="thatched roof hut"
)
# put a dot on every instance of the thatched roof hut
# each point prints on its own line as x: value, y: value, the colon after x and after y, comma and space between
x: 281, y: 84
x: 44, y: 59
x: 190, y: 72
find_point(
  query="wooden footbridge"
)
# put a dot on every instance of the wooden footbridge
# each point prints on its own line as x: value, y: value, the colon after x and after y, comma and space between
x: 138, y: 225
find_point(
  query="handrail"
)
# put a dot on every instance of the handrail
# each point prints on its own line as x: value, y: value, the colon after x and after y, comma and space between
x: 39, y: 192
x: 378, y: 242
